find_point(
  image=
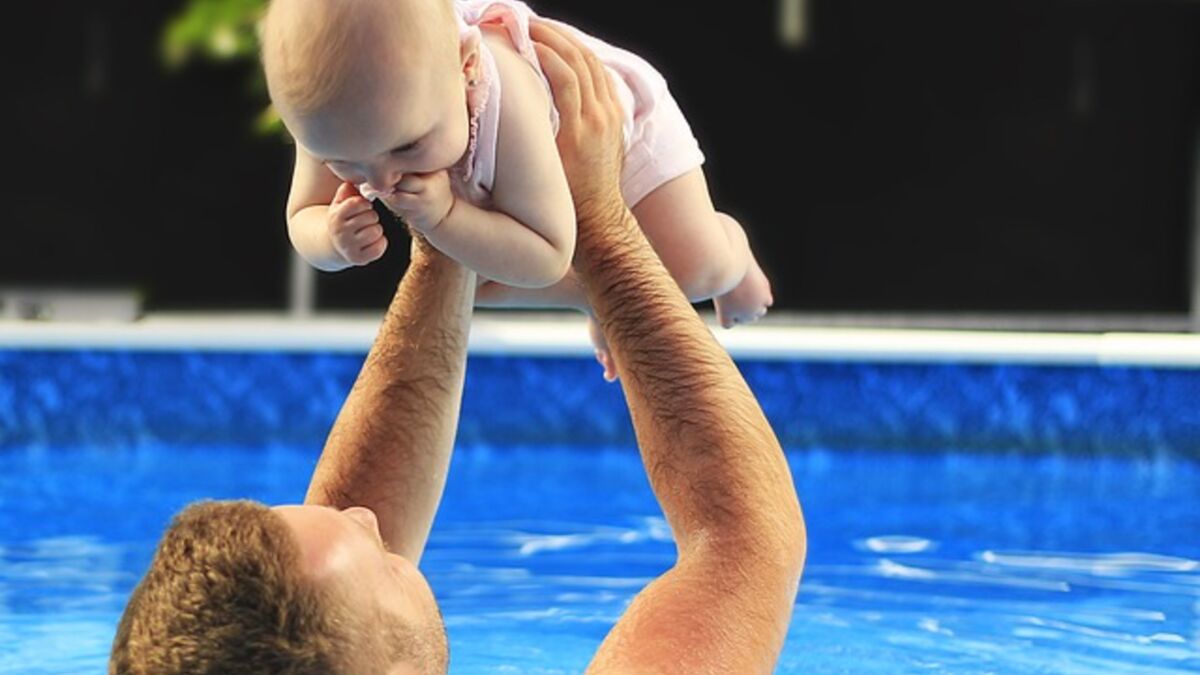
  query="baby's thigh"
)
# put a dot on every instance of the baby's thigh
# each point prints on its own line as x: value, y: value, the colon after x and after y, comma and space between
x: 683, y: 227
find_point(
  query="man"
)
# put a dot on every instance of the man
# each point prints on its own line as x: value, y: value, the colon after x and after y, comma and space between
x: 331, y: 586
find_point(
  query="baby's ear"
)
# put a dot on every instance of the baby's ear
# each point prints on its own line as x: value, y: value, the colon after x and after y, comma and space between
x: 469, y: 54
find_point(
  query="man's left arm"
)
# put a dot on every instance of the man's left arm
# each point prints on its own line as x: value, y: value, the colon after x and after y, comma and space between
x: 389, y: 449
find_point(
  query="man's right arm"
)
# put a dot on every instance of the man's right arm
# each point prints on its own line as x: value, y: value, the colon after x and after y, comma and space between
x: 713, y: 461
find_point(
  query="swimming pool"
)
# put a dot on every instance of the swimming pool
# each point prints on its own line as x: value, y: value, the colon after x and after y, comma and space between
x: 963, y: 517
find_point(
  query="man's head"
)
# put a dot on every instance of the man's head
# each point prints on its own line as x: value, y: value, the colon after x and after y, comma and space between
x: 236, y: 587
x: 374, y: 89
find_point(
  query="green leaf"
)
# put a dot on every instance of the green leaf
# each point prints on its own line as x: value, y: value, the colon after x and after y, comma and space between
x: 219, y: 30
x: 222, y: 31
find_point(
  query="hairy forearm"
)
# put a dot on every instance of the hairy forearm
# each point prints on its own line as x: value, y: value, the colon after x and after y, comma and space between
x: 390, y: 447
x: 310, y: 237
x: 712, y: 458
x: 500, y: 247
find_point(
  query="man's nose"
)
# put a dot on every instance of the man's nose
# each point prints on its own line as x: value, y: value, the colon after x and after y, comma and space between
x: 364, y: 517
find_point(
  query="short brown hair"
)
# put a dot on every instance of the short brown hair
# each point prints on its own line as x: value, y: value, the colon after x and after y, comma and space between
x: 225, y: 594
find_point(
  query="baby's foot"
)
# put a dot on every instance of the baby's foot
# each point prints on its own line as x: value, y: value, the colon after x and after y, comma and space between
x: 748, y: 301
x: 602, y: 354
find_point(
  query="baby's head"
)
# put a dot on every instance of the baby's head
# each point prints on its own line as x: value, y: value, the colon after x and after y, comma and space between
x: 375, y: 88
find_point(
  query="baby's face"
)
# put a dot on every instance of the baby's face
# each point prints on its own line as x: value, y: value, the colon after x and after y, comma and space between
x: 392, y: 123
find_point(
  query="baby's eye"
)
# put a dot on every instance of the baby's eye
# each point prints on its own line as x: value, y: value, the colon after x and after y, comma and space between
x: 406, y: 148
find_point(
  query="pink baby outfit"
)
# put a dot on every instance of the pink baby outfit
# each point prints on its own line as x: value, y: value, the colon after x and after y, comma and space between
x: 659, y: 145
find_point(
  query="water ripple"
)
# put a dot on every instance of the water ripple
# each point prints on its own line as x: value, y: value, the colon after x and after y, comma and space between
x: 895, y: 544
x: 1100, y: 564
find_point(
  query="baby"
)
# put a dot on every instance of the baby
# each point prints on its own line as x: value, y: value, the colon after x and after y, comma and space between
x: 439, y: 110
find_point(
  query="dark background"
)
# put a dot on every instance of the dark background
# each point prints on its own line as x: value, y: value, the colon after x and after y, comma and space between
x: 929, y: 155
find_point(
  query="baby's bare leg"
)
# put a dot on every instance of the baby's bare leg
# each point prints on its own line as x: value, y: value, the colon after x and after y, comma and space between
x: 567, y: 294
x: 750, y: 299
x: 705, y: 251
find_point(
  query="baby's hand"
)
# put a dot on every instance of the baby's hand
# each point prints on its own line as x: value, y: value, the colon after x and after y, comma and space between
x: 422, y: 200
x: 354, y: 227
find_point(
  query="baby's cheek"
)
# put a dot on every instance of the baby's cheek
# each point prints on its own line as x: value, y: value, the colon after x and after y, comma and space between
x: 347, y: 175
x: 453, y: 147
x: 439, y: 158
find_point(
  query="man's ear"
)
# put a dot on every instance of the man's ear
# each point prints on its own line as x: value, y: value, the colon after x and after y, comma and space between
x: 469, y: 56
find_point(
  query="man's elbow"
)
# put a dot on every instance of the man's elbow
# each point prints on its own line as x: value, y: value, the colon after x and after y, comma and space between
x: 781, y: 543
x: 775, y: 540
x: 796, y: 541
x: 786, y: 541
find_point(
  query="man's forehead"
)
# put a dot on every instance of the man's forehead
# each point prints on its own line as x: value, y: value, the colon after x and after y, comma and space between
x: 404, y: 669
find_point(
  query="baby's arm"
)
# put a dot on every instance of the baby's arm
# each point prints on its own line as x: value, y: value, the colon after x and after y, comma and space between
x: 321, y: 208
x: 529, y: 237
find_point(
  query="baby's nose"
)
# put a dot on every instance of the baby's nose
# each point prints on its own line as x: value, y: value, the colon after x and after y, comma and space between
x: 383, y: 181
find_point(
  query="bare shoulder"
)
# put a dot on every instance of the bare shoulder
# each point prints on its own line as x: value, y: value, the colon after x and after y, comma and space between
x: 515, y: 71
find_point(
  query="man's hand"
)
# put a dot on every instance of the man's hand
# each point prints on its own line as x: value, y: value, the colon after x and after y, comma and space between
x: 354, y: 227
x: 422, y: 200
x: 590, y: 122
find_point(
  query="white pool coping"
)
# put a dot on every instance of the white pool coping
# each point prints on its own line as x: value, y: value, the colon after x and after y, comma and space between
x: 565, y: 335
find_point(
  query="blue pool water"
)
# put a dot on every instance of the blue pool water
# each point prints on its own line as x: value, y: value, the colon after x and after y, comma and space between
x: 994, y: 560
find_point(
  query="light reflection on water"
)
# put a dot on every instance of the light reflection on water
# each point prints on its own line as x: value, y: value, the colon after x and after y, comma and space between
x: 937, y: 562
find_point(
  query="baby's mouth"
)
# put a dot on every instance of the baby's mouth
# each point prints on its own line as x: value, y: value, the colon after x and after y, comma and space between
x: 372, y: 194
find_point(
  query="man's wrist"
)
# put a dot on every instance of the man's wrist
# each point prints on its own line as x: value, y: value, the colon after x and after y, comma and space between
x: 603, y: 227
x: 423, y: 253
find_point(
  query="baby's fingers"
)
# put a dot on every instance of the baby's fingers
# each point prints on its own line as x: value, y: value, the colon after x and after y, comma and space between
x: 351, y: 208
x: 344, y: 192
x: 362, y: 247
x: 364, y: 219
x: 373, y: 252
x: 404, y: 203
x: 367, y: 235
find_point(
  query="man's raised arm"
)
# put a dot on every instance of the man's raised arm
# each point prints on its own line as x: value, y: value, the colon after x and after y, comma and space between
x: 713, y: 461
x: 390, y: 447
